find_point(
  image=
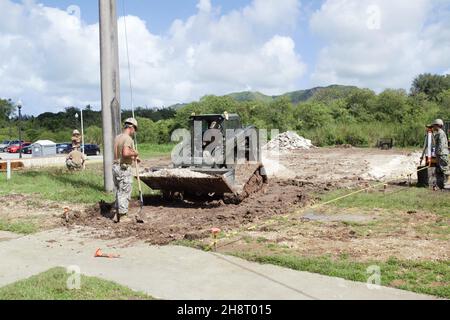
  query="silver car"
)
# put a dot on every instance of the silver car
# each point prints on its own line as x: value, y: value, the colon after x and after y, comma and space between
x: 5, y: 144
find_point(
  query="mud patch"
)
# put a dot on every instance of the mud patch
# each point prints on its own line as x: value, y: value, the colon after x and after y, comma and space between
x: 169, y: 221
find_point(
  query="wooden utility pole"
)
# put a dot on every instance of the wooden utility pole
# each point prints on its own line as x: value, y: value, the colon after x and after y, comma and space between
x: 110, y: 83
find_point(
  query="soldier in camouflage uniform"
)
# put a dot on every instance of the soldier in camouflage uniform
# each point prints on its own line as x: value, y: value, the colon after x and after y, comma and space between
x: 124, y: 156
x: 441, y: 144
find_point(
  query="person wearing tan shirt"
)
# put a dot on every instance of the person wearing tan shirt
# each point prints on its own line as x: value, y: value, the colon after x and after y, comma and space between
x: 124, y: 156
x: 75, y: 160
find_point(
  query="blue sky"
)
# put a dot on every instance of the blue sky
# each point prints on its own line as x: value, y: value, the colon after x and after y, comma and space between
x: 181, y: 50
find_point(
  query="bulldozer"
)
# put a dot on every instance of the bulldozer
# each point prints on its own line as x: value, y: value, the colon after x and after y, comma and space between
x: 232, y: 174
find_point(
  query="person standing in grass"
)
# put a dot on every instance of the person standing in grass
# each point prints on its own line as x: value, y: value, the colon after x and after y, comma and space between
x: 125, y: 155
x: 442, y: 152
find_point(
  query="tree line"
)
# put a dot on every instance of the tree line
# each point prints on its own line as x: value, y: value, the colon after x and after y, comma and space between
x: 331, y: 116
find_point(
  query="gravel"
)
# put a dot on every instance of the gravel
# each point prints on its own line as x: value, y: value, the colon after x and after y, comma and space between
x: 175, y: 173
x: 289, y: 141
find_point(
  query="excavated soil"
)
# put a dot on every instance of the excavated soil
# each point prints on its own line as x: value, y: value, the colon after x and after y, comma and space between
x: 187, y: 220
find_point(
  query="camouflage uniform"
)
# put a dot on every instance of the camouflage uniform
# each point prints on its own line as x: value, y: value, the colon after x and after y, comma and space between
x: 123, y: 180
x: 71, y: 165
x: 442, y: 166
x: 122, y: 174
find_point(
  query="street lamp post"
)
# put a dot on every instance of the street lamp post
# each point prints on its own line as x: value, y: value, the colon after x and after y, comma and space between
x: 19, y: 106
x: 82, y: 130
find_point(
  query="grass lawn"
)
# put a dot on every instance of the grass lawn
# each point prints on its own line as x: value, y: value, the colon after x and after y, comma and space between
x: 398, y: 198
x: 60, y: 185
x: 57, y: 184
x: 52, y: 285
x: 148, y: 151
x: 20, y: 227
x: 431, y: 278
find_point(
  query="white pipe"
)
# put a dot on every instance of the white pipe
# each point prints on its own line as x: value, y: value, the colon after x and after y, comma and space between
x: 8, y: 170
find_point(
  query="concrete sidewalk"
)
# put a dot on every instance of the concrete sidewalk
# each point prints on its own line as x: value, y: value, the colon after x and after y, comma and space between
x: 175, y: 272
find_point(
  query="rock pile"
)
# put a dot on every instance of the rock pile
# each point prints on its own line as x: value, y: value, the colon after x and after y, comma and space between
x: 289, y: 141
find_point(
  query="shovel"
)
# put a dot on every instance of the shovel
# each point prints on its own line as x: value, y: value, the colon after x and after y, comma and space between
x: 139, y: 217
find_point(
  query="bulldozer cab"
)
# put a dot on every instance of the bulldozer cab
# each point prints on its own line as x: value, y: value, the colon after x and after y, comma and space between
x: 221, y: 122
x: 217, y: 121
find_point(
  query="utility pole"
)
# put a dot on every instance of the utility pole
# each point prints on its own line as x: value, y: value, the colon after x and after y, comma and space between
x: 109, y: 60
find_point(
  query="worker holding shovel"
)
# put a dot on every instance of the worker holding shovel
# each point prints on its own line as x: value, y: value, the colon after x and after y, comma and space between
x: 125, y: 155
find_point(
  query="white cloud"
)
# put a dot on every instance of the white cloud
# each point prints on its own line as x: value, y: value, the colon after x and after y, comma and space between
x: 381, y: 43
x: 51, y: 59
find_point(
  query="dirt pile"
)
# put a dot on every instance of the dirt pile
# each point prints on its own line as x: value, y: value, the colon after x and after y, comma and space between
x: 394, y: 167
x: 289, y: 141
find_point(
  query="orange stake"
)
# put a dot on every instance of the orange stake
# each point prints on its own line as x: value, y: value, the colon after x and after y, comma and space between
x: 215, y: 232
x: 99, y: 254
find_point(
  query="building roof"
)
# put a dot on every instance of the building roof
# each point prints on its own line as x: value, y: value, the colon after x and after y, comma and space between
x: 45, y: 143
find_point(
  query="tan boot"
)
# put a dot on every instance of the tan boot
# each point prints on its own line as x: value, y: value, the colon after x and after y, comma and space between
x: 125, y: 218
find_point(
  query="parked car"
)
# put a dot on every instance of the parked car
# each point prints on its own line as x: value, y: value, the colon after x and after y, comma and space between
x: 27, y: 150
x: 16, y: 147
x: 63, y: 148
x: 91, y: 150
x: 4, y: 145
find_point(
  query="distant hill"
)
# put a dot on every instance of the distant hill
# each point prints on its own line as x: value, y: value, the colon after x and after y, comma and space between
x: 250, y: 96
x: 294, y: 96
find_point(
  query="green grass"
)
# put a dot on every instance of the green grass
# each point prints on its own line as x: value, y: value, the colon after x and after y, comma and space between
x: 147, y: 150
x: 52, y: 285
x: 60, y: 185
x: 424, y: 277
x: 406, y: 199
x: 21, y: 227
x: 57, y: 185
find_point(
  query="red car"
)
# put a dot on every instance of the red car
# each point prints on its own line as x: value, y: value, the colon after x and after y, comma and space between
x: 16, y: 147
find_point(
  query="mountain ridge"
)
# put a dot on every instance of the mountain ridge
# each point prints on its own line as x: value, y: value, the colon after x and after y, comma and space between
x: 294, y: 96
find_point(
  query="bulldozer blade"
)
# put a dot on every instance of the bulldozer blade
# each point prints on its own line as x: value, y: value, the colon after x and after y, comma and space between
x: 213, y: 183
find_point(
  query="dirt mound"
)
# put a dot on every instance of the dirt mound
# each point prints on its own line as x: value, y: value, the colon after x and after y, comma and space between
x: 289, y: 141
x: 188, y: 220
x: 394, y: 167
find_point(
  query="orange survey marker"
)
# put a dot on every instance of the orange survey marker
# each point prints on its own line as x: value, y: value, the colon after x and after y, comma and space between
x: 99, y: 254
x: 215, y: 232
